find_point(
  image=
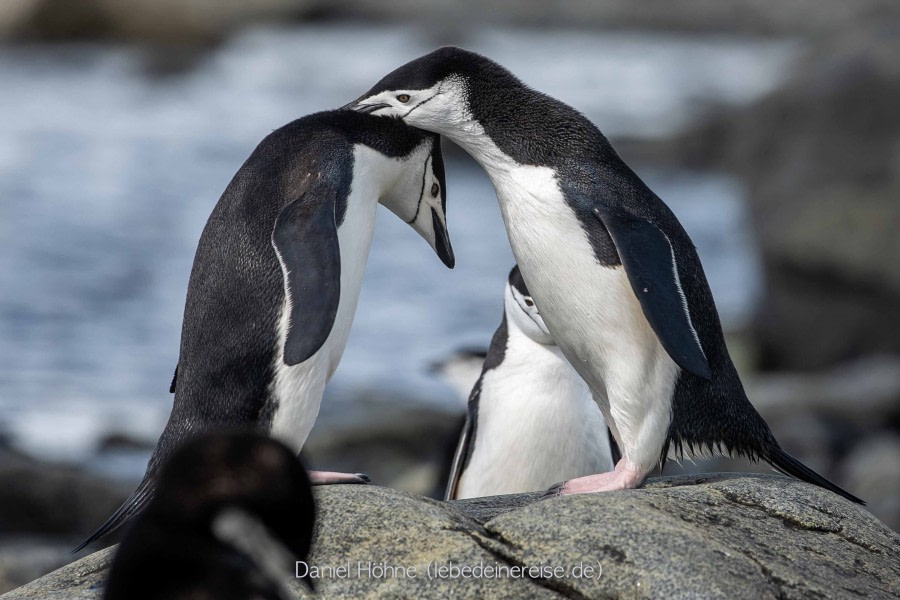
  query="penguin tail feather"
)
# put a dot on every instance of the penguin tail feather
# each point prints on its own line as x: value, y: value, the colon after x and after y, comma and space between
x: 789, y: 465
x: 131, y: 507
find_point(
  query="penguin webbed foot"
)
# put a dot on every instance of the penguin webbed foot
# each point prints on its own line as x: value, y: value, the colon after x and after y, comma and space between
x: 334, y: 478
x: 623, y: 477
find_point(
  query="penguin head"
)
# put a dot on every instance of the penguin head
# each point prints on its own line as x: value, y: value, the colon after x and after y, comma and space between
x: 432, y: 92
x: 419, y: 196
x: 522, y: 312
x: 245, y: 479
x: 230, y: 515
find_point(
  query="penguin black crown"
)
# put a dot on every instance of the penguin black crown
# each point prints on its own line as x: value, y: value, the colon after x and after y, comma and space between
x: 277, y: 275
x: 618, y: 280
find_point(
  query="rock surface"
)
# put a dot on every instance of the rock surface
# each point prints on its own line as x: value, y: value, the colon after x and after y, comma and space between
x: 713, y: 536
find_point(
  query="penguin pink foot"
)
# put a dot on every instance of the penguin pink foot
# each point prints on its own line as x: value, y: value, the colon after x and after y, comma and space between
x: 623, y: 477
x: 333, y: 477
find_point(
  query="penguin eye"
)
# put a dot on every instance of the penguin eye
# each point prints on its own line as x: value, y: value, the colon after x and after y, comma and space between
x: 529, y: 302
x: 404, y: 98
x: 435, y: 188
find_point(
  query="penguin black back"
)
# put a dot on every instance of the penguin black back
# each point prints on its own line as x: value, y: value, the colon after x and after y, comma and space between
x: 231, y: 513
x: 235, y: 266
x: 236, y: 290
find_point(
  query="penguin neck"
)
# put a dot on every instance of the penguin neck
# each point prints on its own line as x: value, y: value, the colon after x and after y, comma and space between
x: 520, y: 347
x: 374, y: 174
x: 389, y: 179
x: 497, y: 119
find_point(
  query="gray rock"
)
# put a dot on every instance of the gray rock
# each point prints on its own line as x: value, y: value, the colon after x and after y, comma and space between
x: 24, y: 558
x: 713, y: 536
x: 81, y: 580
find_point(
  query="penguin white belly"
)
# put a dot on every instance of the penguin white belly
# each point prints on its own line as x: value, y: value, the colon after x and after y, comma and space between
x: 298, y: 389
x: 590, y: 310
x: 537, y: 425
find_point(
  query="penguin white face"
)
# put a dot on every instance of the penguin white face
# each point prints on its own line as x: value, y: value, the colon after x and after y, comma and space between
x: 419, y: 197
x: 430, y: 92
x: 440, y: 108
x: 522, y: 312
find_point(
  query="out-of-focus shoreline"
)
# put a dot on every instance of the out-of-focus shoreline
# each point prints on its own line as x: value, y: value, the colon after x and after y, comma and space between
x: 199, y: 22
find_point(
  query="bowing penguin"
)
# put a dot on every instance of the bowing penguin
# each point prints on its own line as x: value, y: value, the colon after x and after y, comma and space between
x: 277, y: 275
x: 618, y: 280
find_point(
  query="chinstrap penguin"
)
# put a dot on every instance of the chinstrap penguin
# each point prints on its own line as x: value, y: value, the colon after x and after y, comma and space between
x: 618, y: 280
x: 531, y: 419
x: 231, y: 514
x: 277, y: 276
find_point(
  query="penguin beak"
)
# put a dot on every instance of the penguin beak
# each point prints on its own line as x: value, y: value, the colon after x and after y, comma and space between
x: 431, y: 226
x: 442, y: 241
x: 361, y: 107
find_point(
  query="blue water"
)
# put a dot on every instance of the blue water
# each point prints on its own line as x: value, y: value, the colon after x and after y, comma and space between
x: 108, y: 173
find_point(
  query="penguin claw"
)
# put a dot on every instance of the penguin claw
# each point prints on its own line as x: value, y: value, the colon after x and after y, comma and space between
x: 332, y: 478
x: 554, y: 491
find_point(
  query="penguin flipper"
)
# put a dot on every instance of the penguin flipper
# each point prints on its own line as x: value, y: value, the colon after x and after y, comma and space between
x: 649, y: 261
x: 306, y: 241
x: 464, y: 448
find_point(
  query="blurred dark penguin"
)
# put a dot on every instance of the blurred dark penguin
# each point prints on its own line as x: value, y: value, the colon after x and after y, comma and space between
x: 231, y: 514
x: 277, y: 276
x: 618, y: 280
x: 460, y: 370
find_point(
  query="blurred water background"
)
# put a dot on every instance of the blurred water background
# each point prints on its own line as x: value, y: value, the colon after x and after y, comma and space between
x: 109, y: 172
x: 771, y: 131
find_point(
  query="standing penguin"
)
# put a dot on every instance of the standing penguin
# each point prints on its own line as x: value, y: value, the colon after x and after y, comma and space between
x: 231, y: 514
x: 617, y: 278
x: 277, y: 276
x: 531, y: 420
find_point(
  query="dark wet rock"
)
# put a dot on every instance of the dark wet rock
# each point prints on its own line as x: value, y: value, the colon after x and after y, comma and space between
x: 120, y: 441
x: 53, y: 499
x: 398, y: 441
x: 864, y: 393
x: 710, y: 536
x: 161, y: 21
x: 871, y: 470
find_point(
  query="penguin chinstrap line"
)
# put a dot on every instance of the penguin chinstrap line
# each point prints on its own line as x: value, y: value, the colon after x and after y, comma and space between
x: 231, y: 514
x: 618, y: 281
x: 531, y: 420
x: 277, y: 276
